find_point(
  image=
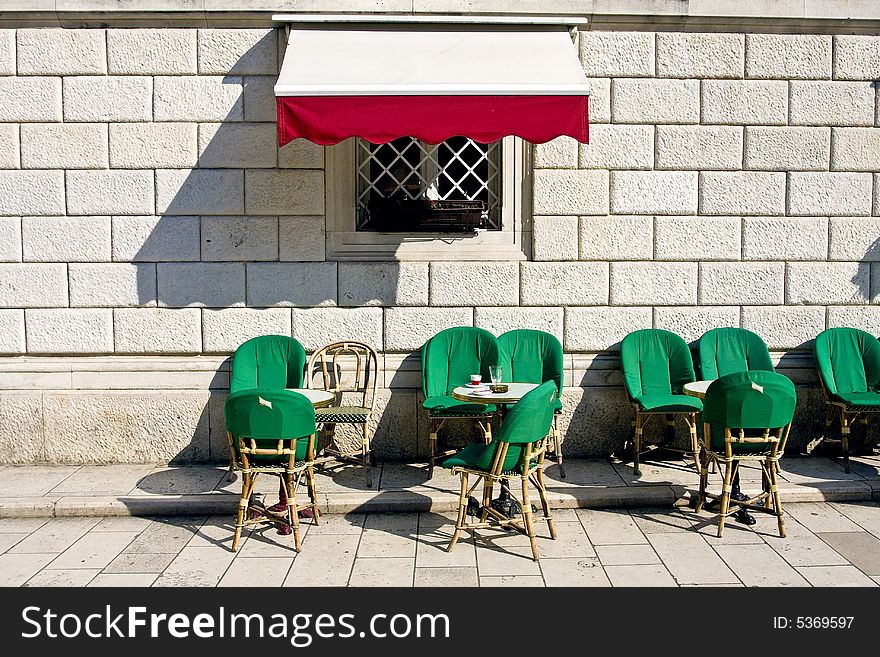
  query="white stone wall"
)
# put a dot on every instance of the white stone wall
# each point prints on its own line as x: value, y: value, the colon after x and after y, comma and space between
x: 150, y: 223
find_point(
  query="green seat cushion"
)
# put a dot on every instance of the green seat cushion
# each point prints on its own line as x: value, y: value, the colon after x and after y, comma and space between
x: 448, y: 405
x: 477, y: 456
x: 660, y: 403
x: 861, y: 399
x: 355, y: 414
x: 557, y: 405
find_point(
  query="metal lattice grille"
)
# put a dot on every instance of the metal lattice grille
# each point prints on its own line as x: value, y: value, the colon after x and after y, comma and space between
x: 411, y: 172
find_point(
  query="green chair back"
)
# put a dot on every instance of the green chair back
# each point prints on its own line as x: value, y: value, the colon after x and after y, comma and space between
x: 451, y: 356
x: 268, y: 416
x: 727, y: 350
x: 848, y: 360
x: 655, y: 362
x: 268, y: 361
x: 530, y: 356
x: 748, y: 400
x: 528, y: 421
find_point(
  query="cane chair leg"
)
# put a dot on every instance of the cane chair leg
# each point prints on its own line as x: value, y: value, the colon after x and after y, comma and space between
x: 313, y: 494
x: 488, y: 488
x: 637, y: 445
x: 704, y: 479
x: 557, y: 445
x: 487, y: 431
x: 365, y: 451
x: 774, y: 492
x: 432, y: 445
x: 725, y: 496
x: 292, y: 513
x: 695, y: 442
x: 527, y: 514
x: 542, y: 493
x: 243, y: 502
x: 462, y: 512
x: 844, y: 439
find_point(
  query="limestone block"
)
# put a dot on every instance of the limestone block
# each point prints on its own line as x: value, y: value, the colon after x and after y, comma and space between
x: 501, y: 320
x: 559, y: 153
x: 30, y: 99
x: 699, y: 147
x: 104, y: 99
x: 856, y: 57
x: 618, y: 147
x: 555, y: 238
x: 699, y: 55
x: 854, y: 239
x: 785, y: 327
x: 698, y: 238
x: 239, y: 238
x: 155, y: 239
x: 742, y: 192
x: 564, y: 284
x: 238, y: 145
x: 788, y: 56
x: 110, y: 192
x: 617, y: 54
x: 451, y: 284
x: 153, y: 145
x: 383, y: 284
x: 827, y: 283
x: 787, y: 149
x: 854, y: 149
x: 654, y: 192
x: 595, y: 421
x: 829, y: 194
x: 31, y: 192
x: 69, y: 331
x: 291, y: 284
x: 616, y: 238
x: 654, y: 283
x: 288, y: 192
x: 655, y: 100
x: 201, y: 98
x: 865, y: 318
x: 832, y: 103
x: 66, y: 239
x: 301, y: 238
x: 151, y: 51
x: 64, y: 146
x: 560, y: 191
x: 259, y: 98
x: 157, y: 330
x: 691, y: 322
x: 785, y: 238
x: 112, y: 285
x: 56, y: 51
x: 10, y: 239
x: 394, y: 425
x: 600, y: 100
x: 407, y: 329
x: 598, y: 329
x: 200, y: 191
x: 33, y: 285
x: 7, y: 52
x: 238, y: 51
x: 203, y: 285
x: 10, y: 146
x: 21, y: 428
x: 11, y: 333
x: 300, y: 154
x: 224, y: 330
x: 127, y: 427
x: 315, y: 327
x: 737, y: 283
x: 745, y: 102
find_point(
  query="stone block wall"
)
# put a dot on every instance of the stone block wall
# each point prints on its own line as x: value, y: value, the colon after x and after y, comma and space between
x: 149, y: 224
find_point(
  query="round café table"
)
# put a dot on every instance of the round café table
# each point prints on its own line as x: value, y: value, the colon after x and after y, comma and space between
x: 698, y: 389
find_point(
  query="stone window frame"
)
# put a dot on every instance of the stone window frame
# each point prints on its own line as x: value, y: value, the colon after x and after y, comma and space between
x: 512, y: 242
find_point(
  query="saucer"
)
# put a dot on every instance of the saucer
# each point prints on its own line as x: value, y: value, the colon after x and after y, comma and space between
x: 476, y: 385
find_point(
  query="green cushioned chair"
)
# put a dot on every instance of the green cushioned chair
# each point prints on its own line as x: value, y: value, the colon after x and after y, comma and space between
x: 848, y: 361
x: 656, y: 364
x: 727, y: 350
x: 531, y: 356
x: 517, y: 450
x: 350, y: 370
x: 448, y: 360
x: 746, y: 417
x: 272, y: 431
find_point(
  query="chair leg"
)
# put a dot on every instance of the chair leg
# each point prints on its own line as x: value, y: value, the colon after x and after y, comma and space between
x: 542, y: 493
x: 777, y: 502
x: 637, y: 445
x: 725, y: 496
x: 243, y: 502
x: 365, y: 451
x: 704, y: 479
x: 845, y: 423
x: 313, y: 493
x: 462, y: 512
x: 695, y: 442
x: 432, y: 445
x: 527, y: 514
x: 557, y: 445
x: 488, y: 488
x: 487, y: 431
x: 292, y: 513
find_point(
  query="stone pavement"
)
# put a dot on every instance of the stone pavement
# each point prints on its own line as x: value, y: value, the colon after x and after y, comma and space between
x: 140, y: 525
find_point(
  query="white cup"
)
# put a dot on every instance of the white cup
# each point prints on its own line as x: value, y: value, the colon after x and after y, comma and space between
x: 476, y: 379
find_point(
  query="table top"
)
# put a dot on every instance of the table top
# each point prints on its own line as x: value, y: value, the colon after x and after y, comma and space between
x: 319, y: 398
x: 514, y: 393
x: 697, y: 388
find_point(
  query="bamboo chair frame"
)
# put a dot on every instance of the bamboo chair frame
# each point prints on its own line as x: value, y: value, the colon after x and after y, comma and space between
x: 489, y: 517
x: 290, y: 473
x: 327, y: 361
x: 729, y: 463
x: 437, y: 422
x: 640, y: 447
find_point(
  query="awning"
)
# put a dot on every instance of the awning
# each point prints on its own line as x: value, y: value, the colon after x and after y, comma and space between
x: 431, y: 81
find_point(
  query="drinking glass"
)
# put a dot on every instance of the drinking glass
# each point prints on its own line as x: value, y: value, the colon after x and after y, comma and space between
x: 495, y: 373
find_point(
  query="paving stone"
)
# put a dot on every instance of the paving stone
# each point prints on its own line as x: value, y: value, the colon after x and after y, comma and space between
x: 861, y: 549
x: 110, y: 480
x: 867, y: 516
x: 326, y: 560
x: 610, y: 527
x: 123, y: 580
x: 32, y: 480
x: 436, y: 577
x: 627, y: 555
x: 800, y: 547
x: 265, y: 542
x: 94, y: 550
x: 640, y: 576
x: 515, y: 581
x: 63, y: 578
x: 390, y: 571
x: 349, y: 523
x: 495, y: 558
x: 9, y: 540
x: 16, y: 569
x: 137, y: 563
x: 55, y: 536
x: 164, y: 536
x: 199, y: 566
x: 835, y: 576
x: 574, y: 572
x: 256, y: 572
x: 21, y: 525
x: 821, y: 517
x: 690, y: 559
x: 760, y: 565
x: 435, y: 532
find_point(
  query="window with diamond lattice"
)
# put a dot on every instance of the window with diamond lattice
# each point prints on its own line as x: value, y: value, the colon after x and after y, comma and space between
x: 408, y: 186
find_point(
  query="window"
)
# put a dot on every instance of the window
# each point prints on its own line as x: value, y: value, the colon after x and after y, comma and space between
x: 409, y: 200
